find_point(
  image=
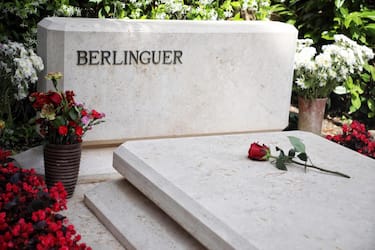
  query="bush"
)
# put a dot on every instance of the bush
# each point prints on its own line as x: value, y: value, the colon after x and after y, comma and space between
x: 28, y: 211
x: 356, y: 137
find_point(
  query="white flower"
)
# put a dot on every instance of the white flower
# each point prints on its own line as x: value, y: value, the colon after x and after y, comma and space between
x: 212, y: 14
x: 301, y: 83
x: 205, y: 2
x: 161, y: 16
x: 228, y: 14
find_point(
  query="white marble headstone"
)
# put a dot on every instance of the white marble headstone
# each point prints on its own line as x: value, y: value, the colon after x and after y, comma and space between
x: 173, y: 78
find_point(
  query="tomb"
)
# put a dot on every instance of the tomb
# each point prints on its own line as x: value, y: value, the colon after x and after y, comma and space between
x: 155, y: 78
x: 226, y: 201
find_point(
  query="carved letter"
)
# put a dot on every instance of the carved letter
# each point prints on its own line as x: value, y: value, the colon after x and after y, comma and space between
x: 133, y: 57
x: 147, y: 58
x: 177, y: 56
x: 154, y: 61
x: 105, y: 54
x: 81, y: 57
x: 114, y: 58
x: 93, y: 56
x: 167, y: 57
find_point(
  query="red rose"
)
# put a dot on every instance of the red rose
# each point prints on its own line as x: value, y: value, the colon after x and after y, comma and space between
x: 63, y: 130
x: 79, y: 131
x: 38, y: 100
x: 55, y: 98
x: 259, y: 152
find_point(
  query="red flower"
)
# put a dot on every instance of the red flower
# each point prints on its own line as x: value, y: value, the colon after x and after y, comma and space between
x: 79, y: 131
x: 70, y: 96
x: 63, y: 130
x: 259, y: 152
x: 55, y: 98
x: 83, y: 112
x: 38, y: 100
x: 95, y: 114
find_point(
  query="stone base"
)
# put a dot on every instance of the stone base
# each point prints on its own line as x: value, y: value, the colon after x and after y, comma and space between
x: 135, y: 221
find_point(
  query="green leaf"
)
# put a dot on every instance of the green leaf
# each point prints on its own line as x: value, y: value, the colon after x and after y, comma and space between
x: 73, y: 114
x: 356, y: 102
x: 339, y: 3
x: 59, y: 121
x: 236, y: 5
x: 291, y: 153
x: 302, y: 156
x: 297, y: 144
x: 371, y: 104
x: 107, y: 9
x: 280, y: 161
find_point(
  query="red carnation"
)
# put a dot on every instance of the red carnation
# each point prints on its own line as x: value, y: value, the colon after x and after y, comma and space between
x: 79, y: 131
x: 63, y: 130
x: 259, y: 152
x: 95, y: 114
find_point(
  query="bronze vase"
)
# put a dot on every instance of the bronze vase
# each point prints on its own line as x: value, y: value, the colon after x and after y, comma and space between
x: 61, y: 163
x: 311, y: 114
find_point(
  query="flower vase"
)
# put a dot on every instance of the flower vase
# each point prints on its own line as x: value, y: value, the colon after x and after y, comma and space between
x: 311, y: 114
x: 61, y: 163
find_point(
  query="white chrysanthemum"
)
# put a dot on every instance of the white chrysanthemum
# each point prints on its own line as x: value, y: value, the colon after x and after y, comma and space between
x: 323, y: 60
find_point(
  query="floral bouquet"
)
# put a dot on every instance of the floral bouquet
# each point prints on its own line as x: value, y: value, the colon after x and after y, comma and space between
x: 316, y: 76
x: 60, y: 118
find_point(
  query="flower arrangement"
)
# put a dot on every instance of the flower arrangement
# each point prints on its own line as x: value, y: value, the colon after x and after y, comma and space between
x: 28, y: 212
x: 316, y: 76
x: 260, y: 152
x: 61, y: 119
x: 356, y: 137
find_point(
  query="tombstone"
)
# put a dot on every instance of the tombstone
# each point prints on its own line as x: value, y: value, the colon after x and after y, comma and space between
x: 155, y: 78
x: 226, y: 201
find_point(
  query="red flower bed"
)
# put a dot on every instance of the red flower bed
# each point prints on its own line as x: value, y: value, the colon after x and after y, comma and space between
x: 356, y: 137
x: 28, y: 212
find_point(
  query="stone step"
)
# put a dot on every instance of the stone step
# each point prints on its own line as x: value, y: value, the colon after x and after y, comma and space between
x: 135, y: 221
x: 208, y: 186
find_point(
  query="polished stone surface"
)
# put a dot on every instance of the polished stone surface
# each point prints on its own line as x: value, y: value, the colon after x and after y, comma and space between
x: 224, y: 77
x: 225, y: 200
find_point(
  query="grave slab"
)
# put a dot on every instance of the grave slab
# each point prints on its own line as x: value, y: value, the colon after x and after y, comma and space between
x: 156, y: 78
x: 134, y: 220
x: 226, y: 201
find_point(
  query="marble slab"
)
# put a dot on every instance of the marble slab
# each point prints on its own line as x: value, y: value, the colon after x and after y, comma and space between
x: 135, y: 221
x: 227, y: 201
x: 156, y: 78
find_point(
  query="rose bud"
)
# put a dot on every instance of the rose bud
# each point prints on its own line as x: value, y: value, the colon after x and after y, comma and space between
x: 259, y: 152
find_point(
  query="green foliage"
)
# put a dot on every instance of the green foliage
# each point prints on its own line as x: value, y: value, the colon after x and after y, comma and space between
x: 320, y: 20
x: 20, y: 136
